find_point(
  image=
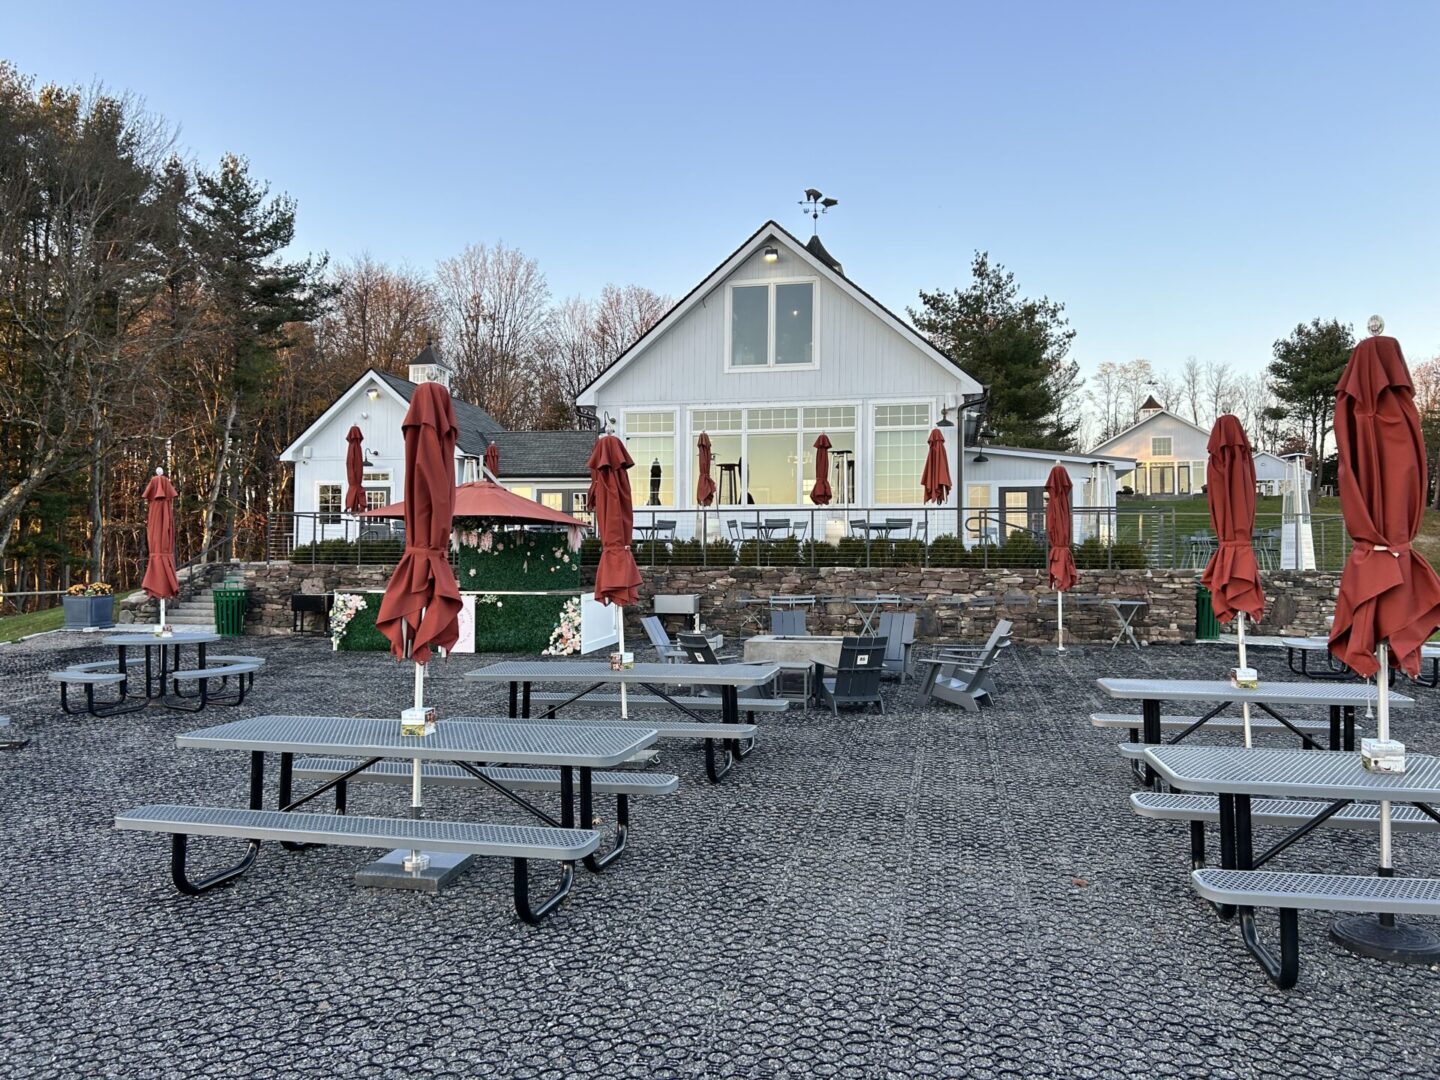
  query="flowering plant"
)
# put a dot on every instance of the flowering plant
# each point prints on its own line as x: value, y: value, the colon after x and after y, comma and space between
x: 565, y: 638
x: 345, y: 608
x: 94, y: 588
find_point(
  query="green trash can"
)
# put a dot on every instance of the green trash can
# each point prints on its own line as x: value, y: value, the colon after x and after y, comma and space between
x: 230, y: 611
x: 1207, y: 626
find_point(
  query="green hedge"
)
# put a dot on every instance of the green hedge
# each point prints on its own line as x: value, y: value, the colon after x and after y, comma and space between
x: 519, y: 560
x: 514, y: 624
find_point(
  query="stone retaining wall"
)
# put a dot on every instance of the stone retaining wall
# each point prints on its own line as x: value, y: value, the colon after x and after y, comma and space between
x: 1297, y: 604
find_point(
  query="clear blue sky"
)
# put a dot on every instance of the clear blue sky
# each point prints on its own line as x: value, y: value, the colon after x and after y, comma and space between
x: 1187, y: 179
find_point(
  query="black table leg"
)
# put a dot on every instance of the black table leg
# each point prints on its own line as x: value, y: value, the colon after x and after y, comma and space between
x: 1227, y: 847
x: 1349, y: 727
x: 1150, y: 721
x: 596, y: 862
x: 525, y: 700
x: 567, y: 797
x: 514, y: 699
x: 1334, y: 727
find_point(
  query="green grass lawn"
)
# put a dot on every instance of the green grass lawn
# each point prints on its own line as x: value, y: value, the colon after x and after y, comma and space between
x: 14, y: 627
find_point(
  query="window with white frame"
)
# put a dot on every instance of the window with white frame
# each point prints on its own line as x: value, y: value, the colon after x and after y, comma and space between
x: 836, y: 423
x: 650, y: 437
x: 766, y: 456
x: 1161, y: 446
x: 979, y: 513
x: 329, y: 502
x: 901, y: 432
x: 772, y: 324
x: 377, y: 489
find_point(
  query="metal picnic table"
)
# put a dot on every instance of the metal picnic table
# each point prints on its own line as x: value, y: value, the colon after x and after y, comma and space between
x: 1340, y: 699
x: 728, y: 679
x: 169, y: 653
x: 570, y: 747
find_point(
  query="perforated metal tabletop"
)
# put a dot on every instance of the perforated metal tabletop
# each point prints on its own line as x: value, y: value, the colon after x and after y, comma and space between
x: 1299, y: 773
x: 150, y: 641
x: 574, y: 671
x: 530, y: 742
x: 1269, y: 693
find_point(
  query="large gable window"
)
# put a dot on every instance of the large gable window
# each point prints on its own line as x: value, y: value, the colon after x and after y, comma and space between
x: 772, y: 325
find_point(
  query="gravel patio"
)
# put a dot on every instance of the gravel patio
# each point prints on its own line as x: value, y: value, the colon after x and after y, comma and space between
x: 927, y: 893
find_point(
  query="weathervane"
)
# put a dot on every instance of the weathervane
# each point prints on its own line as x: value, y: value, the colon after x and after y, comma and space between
x: 814, y: 204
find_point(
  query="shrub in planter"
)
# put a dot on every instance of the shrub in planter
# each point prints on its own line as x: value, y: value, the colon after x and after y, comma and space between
x: 89, y: 605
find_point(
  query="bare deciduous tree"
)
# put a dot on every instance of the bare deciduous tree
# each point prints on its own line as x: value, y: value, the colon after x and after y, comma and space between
x: 380, y: 319
x: 1192, y: 388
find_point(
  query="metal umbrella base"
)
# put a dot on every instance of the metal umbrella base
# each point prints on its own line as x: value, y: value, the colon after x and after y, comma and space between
x: 1380, y: 937
x: 388, y: 871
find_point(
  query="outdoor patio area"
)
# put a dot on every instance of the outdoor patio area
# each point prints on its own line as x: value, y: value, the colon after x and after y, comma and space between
x: 923, y: 893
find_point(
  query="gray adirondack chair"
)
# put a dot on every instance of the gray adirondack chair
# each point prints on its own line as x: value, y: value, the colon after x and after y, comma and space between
x: 670, y: 653
x: 787, y: 622
x: 964, y: 677
x: 898, y: 630
x: 856, y: 679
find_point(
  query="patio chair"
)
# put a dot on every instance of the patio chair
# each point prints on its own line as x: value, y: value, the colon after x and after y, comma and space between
x: 734, y: 528
x: 900, y: 525
x: 665, y: 530
x: 856, y: 679
x: 798, y: 529
x: 898, y: 630
x: 955, y: 684
x: 696, y: 649
x: 859, y: 527
x: 787, y: 623
x: 962, y: 661
x: 670, y: 653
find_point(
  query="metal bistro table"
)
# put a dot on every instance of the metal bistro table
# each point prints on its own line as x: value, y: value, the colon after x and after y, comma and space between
x: 169, y: 653
x: 1340, y: 699
x: 1125, y: 612
x: 570, y: 747
x: 868, y: 607
x: 729, y: 679
x: 1236, y: 775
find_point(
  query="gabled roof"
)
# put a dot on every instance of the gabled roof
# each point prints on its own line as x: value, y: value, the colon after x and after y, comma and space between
x: 1053, y: 455
x: 475, y: 424
x: 772, y: 231
x: 539, y: 455
x: 1142, y: 422
x: 1151, y: 403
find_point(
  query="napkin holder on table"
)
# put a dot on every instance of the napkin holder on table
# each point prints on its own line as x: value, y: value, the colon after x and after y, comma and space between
x: 418, y: 722
x: 1245, y: 678
x: 1382, y: 755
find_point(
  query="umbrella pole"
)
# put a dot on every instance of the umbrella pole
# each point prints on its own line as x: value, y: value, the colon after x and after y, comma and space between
x: 1060, y: 620
x: 1245, y: 708
x: 1382, y: 728
x: 417, y: 860
x: 620, y: 623
x: 162, y: 613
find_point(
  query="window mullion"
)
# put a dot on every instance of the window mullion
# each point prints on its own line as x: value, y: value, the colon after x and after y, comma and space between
x: 770, y: 359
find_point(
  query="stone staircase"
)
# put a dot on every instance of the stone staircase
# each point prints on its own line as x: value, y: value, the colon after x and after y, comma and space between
x: 196, y: 613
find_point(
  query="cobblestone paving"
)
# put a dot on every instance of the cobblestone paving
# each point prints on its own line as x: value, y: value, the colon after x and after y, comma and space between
x: 927, y: 893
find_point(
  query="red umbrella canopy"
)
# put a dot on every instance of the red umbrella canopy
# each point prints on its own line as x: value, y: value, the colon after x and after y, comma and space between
x: 705, y: 486
x: 492, y: 459
x: 821, y: 494
x: 354, y: 472
x: 1232, y: 575
x: 1058, y: 529
x: 487, y: 499
x: 422, y: 601
x: 1387, y: 591
x: 935, y: 477
x: 617, y: 578
x: 160, y: 581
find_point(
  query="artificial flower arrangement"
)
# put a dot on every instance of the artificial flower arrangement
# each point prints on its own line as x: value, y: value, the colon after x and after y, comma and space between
x: 565, y: 638
x: 93, y: 588
x: 342, y: 611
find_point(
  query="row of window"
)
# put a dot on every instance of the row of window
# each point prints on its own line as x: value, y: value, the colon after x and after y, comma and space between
x: 766, y: 456
x: 1162, y: 478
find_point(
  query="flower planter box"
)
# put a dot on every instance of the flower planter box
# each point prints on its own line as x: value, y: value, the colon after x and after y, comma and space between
x: 89, y: 611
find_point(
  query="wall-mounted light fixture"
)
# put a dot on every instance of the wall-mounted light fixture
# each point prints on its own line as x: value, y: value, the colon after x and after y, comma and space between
x: 945, y: 420
x: 373, y: 393
x: 772, y: 254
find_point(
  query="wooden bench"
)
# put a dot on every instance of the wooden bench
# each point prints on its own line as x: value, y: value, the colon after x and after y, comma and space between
x: 1199, y: 810
x: 243, y: 674
x: 620, y: 784
x: 1247, y: 890
x: 91, y: 679
x: 520, y: 843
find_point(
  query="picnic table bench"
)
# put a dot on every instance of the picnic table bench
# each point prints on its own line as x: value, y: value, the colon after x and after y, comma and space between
x: 567, y: 749
x: 1334, y: 783
x: 728, y: 679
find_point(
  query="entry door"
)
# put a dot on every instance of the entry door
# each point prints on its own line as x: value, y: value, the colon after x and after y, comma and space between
x: 1021, y: 509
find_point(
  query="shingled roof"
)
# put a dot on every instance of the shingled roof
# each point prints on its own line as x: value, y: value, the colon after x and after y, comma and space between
x: 543, y: 455
x: 475, y: 424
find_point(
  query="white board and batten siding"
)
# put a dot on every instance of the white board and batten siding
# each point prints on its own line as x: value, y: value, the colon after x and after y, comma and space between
x: 860, y: 361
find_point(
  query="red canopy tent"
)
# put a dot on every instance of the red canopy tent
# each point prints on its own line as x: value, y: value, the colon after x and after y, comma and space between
x: 487, y: 499
x: 1059, y: 528
x: 354, y: 472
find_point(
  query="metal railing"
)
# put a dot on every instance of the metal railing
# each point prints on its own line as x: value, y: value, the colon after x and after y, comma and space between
x: 862, y: 536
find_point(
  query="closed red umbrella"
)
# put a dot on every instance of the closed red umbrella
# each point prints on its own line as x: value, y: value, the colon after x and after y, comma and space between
x: 617, y: 578
x: 422, y: 602
x: 492, y: 459
x: 354, y: 472
x: 705, y: 485
x: 160, y: 581
x: 1232, y: 574
x: 935, y: 477
x: 821, y: 494
x: 1389, y: 596
x: 1058, y: 530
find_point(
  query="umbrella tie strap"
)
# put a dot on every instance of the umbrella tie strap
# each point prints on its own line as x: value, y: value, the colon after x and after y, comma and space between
x: 1393, y: 549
